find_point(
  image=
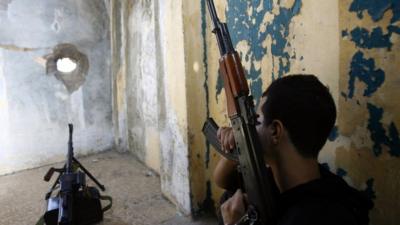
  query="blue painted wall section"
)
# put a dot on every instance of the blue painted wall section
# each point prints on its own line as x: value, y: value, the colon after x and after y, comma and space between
x: 394, y: 29
x: 376, y: 8
x: 245, y: 27
x: 378, y: 132
x: 334, y: 134
x: 365, y: 71
x: 376, y: 39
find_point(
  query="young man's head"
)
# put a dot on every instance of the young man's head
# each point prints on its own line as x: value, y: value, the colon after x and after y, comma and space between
x: 298, y: 109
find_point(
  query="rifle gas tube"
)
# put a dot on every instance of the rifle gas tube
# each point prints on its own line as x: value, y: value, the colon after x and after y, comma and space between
x: 241, y: 112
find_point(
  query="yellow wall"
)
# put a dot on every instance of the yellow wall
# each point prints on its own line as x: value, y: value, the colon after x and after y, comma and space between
x: 196, y: 101
x: 369, y: 113
x: 150, y: 112
x: 298, y: 36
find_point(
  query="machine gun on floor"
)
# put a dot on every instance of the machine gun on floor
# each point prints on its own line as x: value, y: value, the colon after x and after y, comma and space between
x: 76, y: 203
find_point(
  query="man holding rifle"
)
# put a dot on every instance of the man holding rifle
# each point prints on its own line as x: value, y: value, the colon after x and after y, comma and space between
x: 297, y: 114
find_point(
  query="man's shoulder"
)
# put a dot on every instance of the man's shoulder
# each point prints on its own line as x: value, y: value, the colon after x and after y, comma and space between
x: 318, y: 211
x: 327, y: 200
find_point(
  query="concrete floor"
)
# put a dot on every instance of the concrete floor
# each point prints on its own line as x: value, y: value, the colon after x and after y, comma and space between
x: 136, y: 193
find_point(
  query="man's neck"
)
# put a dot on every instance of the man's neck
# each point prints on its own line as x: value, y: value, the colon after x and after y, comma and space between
x: 292, y: 170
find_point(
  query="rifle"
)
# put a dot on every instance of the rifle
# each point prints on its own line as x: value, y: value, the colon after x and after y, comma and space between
x: 76, y: 203
x: 241, y: 112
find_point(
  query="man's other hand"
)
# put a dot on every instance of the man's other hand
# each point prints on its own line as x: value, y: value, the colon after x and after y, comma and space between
x: 225, y: 136
x: 234, y: 208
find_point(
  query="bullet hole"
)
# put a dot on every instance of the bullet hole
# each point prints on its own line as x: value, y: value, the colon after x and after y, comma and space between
x: 68, y: 65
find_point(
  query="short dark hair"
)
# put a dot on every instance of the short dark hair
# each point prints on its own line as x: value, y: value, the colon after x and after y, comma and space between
x: 306, y: 109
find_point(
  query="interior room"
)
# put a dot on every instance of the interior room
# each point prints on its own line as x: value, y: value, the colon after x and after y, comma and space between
x: 137, y: 79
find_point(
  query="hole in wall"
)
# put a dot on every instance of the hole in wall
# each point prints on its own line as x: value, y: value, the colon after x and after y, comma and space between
x: 66, y: 65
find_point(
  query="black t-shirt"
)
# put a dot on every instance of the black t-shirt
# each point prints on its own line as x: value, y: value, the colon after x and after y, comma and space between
x: 328, y: 200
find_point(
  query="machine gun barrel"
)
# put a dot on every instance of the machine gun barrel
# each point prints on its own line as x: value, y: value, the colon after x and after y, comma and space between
x: 70, y: 154
x: 67, y: 185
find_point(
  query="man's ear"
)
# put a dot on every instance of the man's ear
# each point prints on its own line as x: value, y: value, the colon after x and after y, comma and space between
x: 276, y: 131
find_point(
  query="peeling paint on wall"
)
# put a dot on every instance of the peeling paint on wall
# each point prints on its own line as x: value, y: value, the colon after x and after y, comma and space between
x: 379, y: 135
x: 376, y: 9
x: 374, y: 39
x: 357, y: 60
x: 259, y: 28
x: 365, y: 71
x: 368, y: 114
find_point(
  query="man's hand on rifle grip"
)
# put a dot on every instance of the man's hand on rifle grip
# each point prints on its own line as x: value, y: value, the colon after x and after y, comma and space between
x: 225, y: 136
x: 234, y: 208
